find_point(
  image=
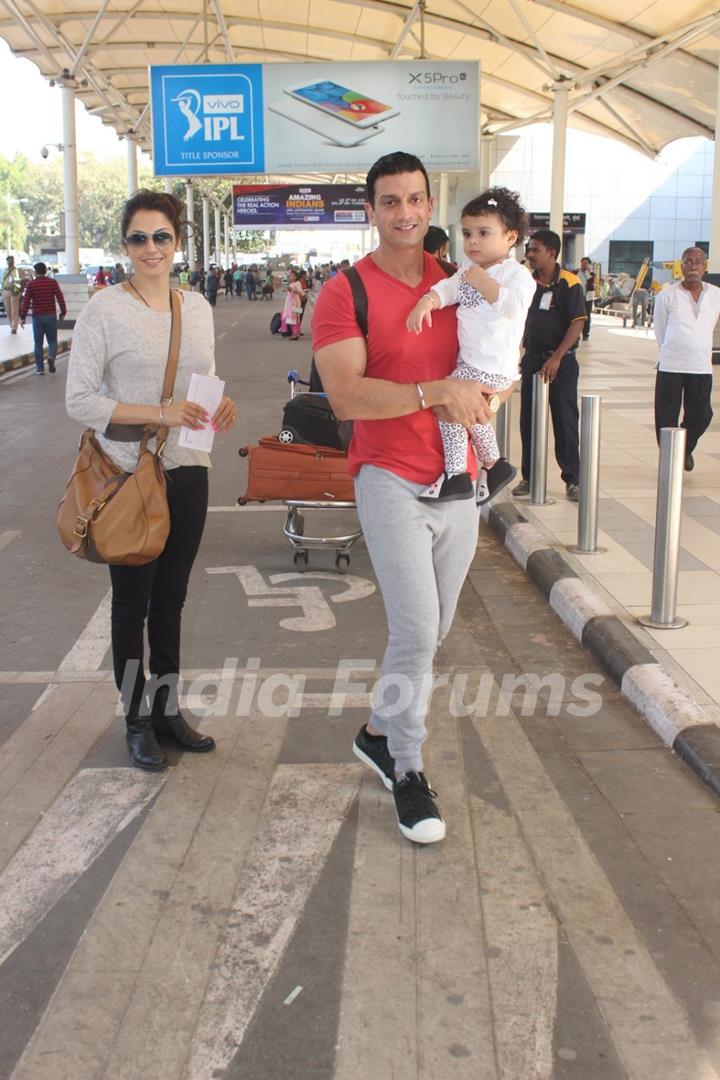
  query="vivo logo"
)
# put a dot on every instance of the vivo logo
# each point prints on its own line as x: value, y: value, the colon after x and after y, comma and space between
x: 217, y: 104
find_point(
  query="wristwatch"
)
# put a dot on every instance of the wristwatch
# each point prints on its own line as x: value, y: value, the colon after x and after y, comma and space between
x: 494, y: 403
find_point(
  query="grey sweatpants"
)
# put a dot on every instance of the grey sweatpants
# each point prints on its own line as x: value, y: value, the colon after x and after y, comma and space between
x: 421, y: 553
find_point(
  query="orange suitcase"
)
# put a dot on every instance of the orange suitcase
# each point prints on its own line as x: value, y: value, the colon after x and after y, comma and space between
x: 294, y: 472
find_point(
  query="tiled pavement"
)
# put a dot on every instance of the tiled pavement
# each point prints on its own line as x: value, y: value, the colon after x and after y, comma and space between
x: 254, y: 914
x: 618, y: 364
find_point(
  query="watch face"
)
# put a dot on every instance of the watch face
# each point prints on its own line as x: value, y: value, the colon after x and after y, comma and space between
x: 494, y: 403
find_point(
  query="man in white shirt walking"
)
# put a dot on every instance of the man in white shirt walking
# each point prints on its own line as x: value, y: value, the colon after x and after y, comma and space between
x: 684, y: 318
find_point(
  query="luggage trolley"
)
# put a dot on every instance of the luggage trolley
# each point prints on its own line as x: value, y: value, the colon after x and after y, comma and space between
x: 294, y: 527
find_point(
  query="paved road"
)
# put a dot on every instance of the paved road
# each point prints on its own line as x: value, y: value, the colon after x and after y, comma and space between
x: 255, y: 913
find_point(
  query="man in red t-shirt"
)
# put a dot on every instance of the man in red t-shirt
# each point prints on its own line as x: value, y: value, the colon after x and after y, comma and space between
x: 395, y: 386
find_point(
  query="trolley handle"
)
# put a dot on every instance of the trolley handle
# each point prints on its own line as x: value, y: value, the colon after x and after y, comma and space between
x: 293, y: 377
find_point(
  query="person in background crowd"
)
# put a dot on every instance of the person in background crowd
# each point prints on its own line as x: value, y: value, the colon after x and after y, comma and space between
x: 11, y: 289
x: 684, y: 320
x: 437, y: 243
x: 197, y: 279
x: 118, y: 274
x: 228, y: 282
x: 41, y: 294
x: 587, y: 277
x: 251, y: 283
x: 238, y: 277
x: 268, y: 288
x: 101, y: 278
x: 292, y: 308
x: 212, y: 284
x: 184, y: 278
x: 303, y: 279
x: 554, y: 324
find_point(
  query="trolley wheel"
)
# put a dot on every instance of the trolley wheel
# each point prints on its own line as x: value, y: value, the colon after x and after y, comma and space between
x: 342, y: 561
x: 300, y: 559
x: 243, y: 451
x: 286, y: 436
x: 242, y: 500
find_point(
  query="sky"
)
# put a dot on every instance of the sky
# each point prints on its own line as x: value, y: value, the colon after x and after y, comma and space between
x: 37, y: 119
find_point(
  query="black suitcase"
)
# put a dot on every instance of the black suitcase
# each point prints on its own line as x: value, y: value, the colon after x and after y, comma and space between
x: 275, y: 323
x: 309, y: 420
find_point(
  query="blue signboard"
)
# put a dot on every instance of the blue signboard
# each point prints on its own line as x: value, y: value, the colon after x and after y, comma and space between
x: 207, y: 120
x: 264, y: 206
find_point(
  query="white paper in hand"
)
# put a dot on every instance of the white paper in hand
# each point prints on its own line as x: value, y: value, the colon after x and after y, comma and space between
x: 206, y: 391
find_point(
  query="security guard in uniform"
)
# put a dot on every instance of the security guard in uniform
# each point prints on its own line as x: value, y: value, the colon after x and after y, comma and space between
x: 554, y: 324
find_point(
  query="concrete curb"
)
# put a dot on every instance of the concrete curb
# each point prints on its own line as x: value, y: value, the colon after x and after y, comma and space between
x: 25, y: 359
x: 680, y: 722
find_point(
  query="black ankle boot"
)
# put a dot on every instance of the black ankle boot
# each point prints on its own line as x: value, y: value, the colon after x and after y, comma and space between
x: 176, y: 728
x: 144, y: 748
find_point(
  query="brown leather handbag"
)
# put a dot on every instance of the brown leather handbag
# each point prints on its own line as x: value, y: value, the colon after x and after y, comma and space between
x: 111, y: 516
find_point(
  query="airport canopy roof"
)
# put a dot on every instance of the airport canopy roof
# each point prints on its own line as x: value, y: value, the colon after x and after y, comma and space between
x: 643, y: 71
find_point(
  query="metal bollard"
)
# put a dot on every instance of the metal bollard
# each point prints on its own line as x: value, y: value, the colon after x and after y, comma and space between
x: 502, y: 429
x: 589, y: 477
x: 539, y: 445
x: 667, y: 532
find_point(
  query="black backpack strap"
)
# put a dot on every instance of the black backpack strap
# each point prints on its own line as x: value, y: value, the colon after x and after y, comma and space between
x: 360, y: 300
x: 360, y: 303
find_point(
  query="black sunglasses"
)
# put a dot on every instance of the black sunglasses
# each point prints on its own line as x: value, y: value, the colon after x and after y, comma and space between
x: 161, y: 238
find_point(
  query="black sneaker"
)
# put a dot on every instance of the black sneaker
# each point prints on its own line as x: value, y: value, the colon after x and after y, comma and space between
x: 492, y: 481
x: 689, y: 463
x: 573, y: 492
x: 418, y: 817
x: 374, y: 752
x: 448, y: 488
x: 521, y: 489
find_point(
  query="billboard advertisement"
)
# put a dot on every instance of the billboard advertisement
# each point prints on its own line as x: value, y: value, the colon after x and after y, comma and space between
x: 295, y: 206
x: 230, y: 119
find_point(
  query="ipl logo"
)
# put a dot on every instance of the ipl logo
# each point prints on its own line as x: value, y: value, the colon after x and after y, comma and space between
x: 220, y: 114
x: 188, y: 102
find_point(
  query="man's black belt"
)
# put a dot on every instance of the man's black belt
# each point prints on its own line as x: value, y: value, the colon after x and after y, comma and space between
x: 547, y: 353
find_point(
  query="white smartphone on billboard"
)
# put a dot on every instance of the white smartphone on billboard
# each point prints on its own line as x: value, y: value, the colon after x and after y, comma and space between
x: 338, y: 101
x: 335, y: 130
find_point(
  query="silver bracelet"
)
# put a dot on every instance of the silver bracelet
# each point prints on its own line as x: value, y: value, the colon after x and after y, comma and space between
x: 162, y: 416
x: 421, y: 396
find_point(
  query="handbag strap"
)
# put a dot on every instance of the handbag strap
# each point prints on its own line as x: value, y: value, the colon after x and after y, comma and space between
x: 170, y: 371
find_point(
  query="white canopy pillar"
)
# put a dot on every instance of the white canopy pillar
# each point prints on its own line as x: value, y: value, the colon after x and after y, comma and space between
x: 168, y: 185
x: 487, y: 144
x: 714, y: 266
x: 191, y: 224
x: 443, y: 202
x: 557, y: 189
x: 206, y: 231
x: 217, y: 258
x: 226, y: 223
x: 72, y: 239
x: 132, y: 166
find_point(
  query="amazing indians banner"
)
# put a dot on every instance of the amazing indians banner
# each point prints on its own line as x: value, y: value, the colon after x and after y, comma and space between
x: 224, y: 119
x: 295, y: 206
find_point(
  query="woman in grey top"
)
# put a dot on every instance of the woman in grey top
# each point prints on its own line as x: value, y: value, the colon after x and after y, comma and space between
x: 115, y: 376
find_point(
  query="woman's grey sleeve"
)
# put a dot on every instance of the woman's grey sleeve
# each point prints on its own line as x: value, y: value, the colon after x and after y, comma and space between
x: 86, y: 370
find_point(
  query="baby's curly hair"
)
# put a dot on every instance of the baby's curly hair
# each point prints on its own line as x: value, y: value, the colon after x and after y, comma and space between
x: 505, y: 204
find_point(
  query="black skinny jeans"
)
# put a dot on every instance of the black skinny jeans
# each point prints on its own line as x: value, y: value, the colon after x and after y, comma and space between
x: 157, y: 591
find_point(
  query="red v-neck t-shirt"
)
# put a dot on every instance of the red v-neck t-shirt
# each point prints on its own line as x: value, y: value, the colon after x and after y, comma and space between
x: 409, y: 446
